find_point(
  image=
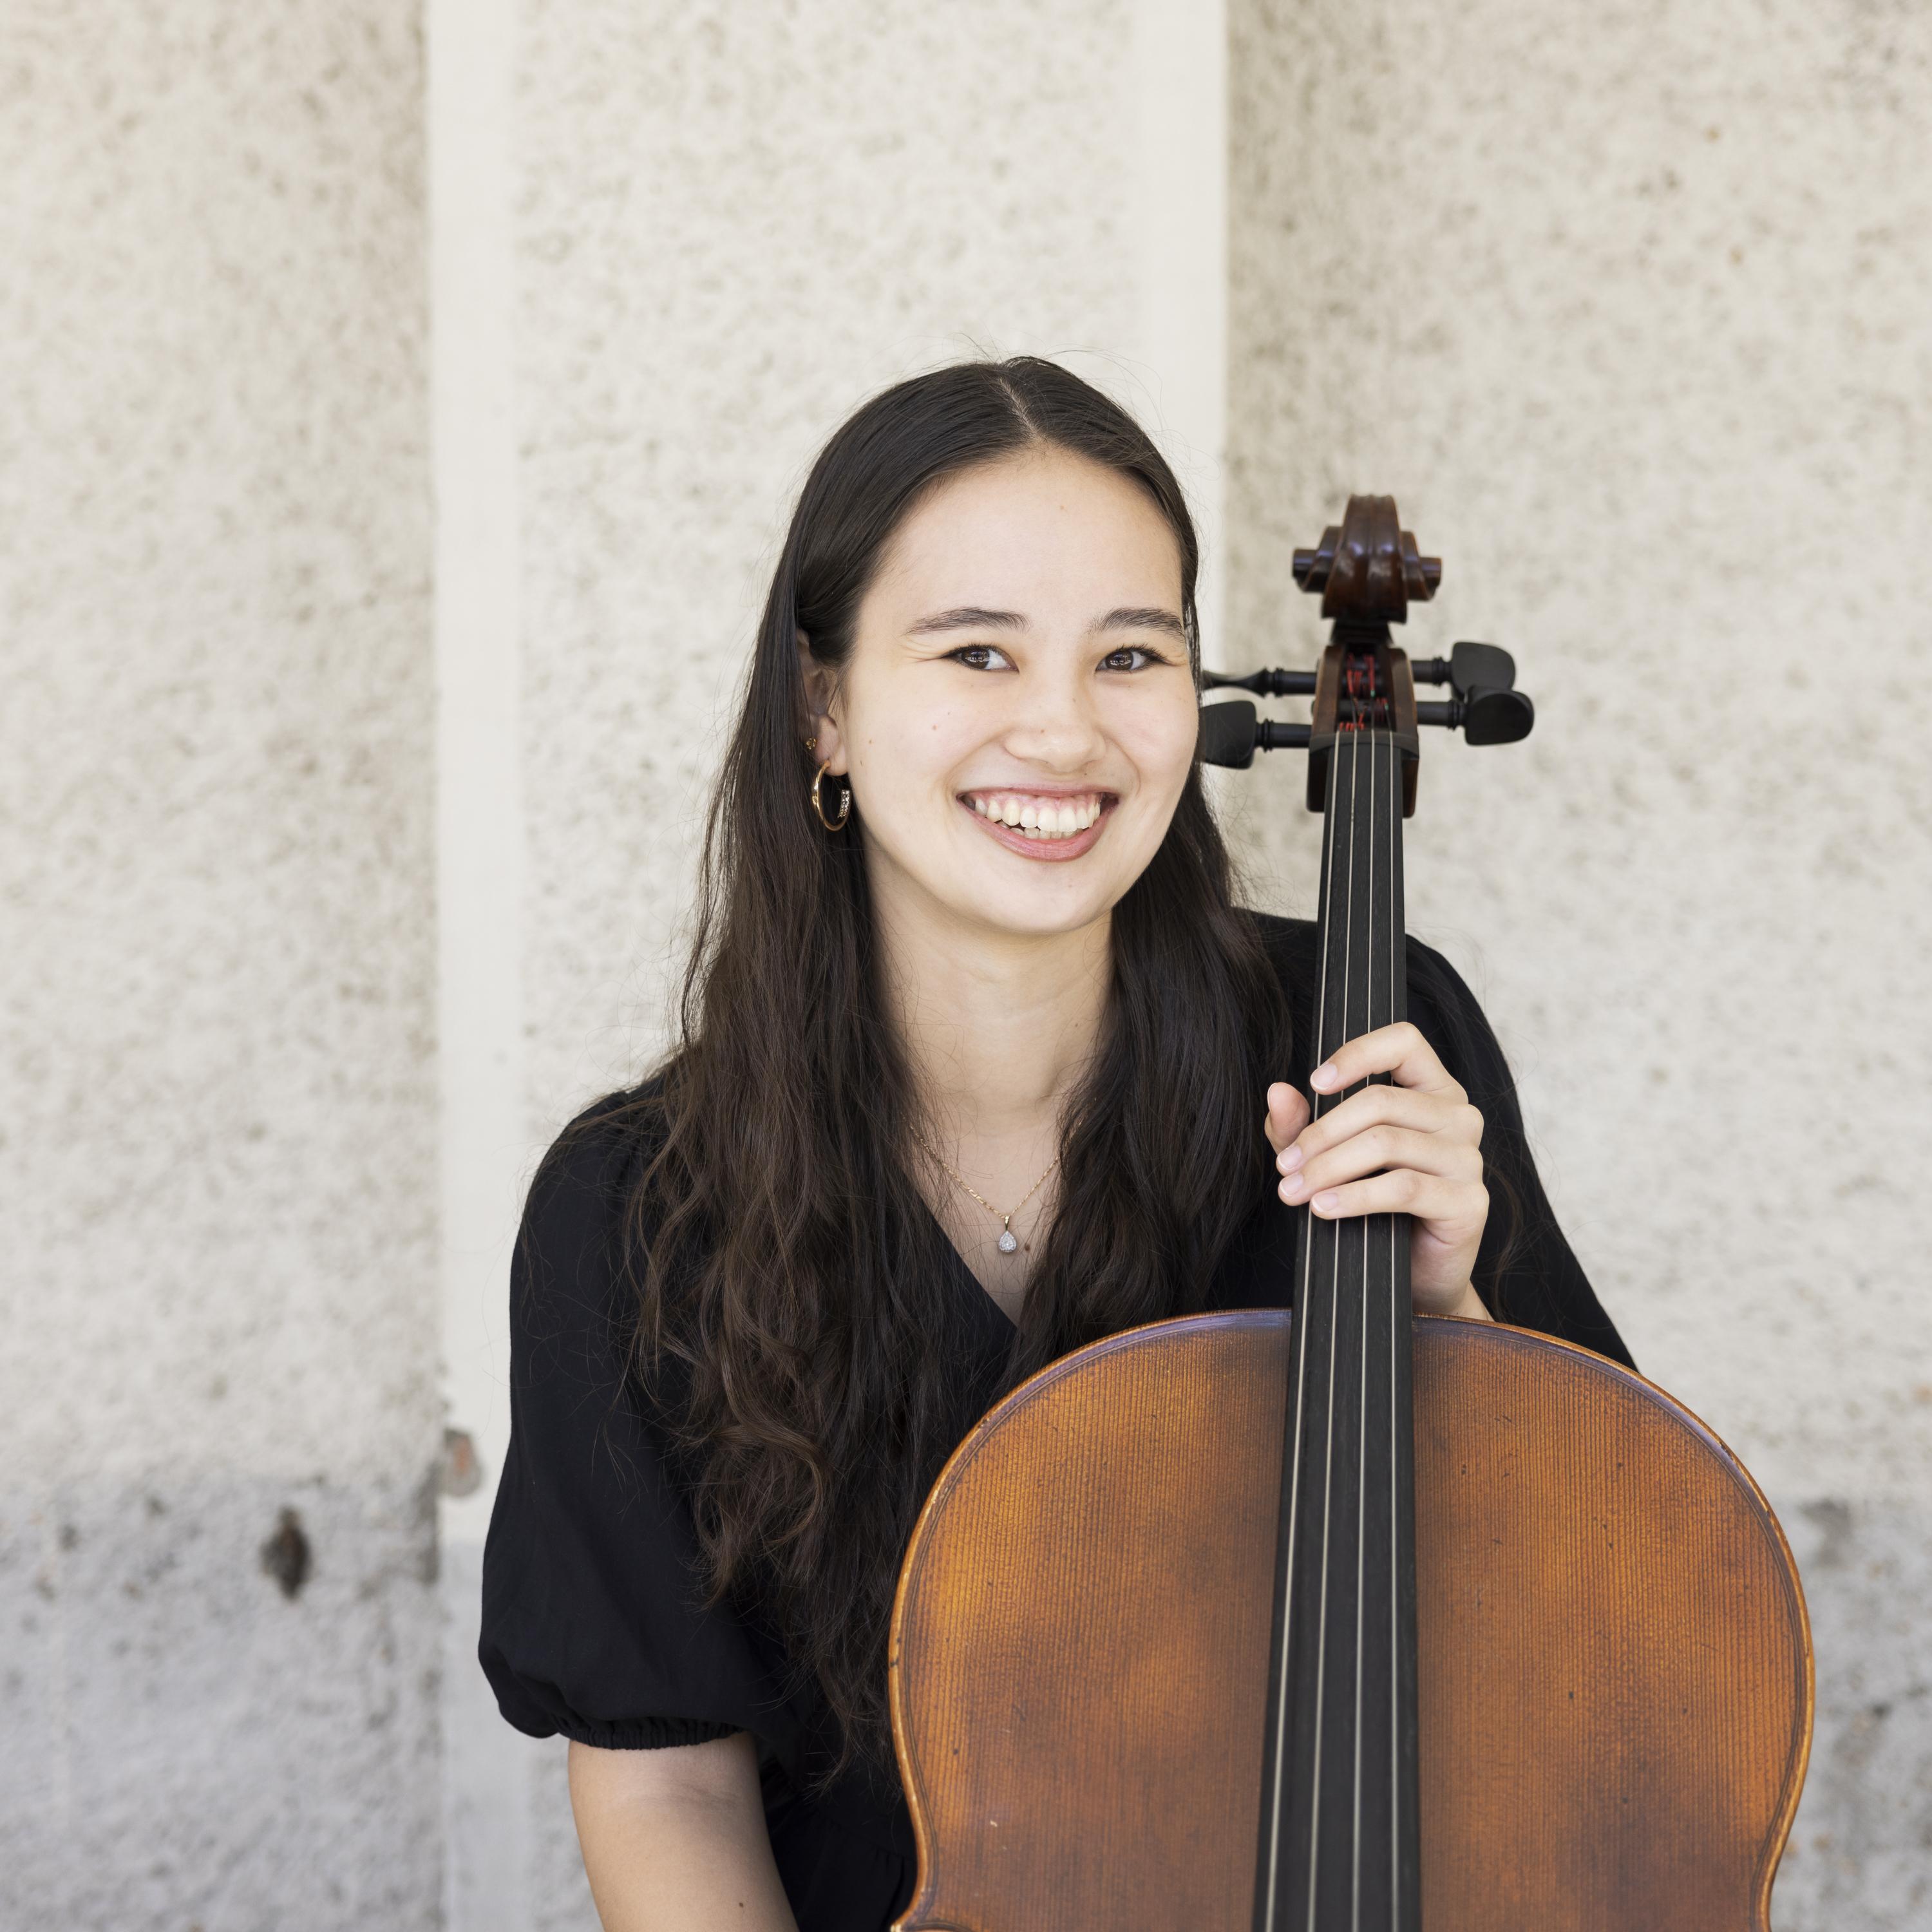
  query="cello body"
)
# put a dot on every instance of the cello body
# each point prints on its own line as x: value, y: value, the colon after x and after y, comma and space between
x: 1614, y: 1670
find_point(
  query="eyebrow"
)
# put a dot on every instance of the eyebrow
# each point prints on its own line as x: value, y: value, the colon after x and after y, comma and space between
x: 970, y: 617
x: 1144, y: 617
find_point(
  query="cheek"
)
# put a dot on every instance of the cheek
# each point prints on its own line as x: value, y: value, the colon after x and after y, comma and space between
x: 905, y: 751
x: 1160, y: 741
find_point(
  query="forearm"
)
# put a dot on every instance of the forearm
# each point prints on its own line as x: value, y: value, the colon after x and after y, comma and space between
x: 675, y: 1840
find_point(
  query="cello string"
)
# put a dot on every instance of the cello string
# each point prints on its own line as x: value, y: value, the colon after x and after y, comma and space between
x: 1362, y: 1398
x: 1328, y: 1458
x: 1296, y: 1411
x: 1398, y: 963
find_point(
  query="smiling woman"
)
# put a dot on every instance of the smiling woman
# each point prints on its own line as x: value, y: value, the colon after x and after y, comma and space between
x: 979, y: 1063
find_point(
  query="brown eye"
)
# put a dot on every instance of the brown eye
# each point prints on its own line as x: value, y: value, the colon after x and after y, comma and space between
x: 979, y: 657
x: 1130, y: 657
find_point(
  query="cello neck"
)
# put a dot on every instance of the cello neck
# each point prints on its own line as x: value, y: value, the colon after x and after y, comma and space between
x: 1338, y: 1843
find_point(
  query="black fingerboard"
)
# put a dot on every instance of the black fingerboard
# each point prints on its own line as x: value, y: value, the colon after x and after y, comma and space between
x: 1338, y: 1844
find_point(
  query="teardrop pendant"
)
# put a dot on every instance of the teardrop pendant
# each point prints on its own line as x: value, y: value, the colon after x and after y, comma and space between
x: 1008, y: 1241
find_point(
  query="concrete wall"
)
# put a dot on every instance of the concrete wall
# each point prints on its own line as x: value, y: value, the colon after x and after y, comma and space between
x: 341, y: 902
x: 1627, y: 307
x: 216, y: 1098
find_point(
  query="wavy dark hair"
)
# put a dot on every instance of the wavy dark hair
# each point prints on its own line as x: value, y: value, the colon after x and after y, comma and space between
x: 791, y: 1280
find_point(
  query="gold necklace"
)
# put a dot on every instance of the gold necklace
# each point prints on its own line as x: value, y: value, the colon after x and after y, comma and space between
x: 1009, y: 1242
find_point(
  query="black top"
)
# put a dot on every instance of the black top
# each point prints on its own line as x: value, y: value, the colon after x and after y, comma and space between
x: 593, y: 1624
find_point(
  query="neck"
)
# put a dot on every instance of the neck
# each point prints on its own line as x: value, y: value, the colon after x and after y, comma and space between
x: 997, y: 1026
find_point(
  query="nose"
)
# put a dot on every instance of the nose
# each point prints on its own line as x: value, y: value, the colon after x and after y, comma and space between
x: 1056, y: 723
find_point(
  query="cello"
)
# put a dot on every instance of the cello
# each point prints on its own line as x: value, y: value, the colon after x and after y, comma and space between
x: 1349, y: 1620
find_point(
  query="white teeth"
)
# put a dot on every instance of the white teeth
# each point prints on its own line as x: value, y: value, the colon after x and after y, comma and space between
x: 1040, y: 818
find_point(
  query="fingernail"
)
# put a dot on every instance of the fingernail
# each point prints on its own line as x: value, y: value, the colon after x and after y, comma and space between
x: 1294, y: 1187
x: 1323, y: 1077
x: 1291, y: 1159
x: 1324, y: 1204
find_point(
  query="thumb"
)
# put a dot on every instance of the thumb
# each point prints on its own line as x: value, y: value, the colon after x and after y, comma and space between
x: 1287, y: 1114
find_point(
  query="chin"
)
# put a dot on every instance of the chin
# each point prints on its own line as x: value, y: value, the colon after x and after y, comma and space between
x: 1035, y: 914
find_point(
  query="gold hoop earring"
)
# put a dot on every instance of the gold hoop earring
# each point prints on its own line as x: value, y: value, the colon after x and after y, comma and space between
x: 818, y: 801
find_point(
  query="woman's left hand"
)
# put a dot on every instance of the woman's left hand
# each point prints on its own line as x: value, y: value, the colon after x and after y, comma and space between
x: 1414, y: 1148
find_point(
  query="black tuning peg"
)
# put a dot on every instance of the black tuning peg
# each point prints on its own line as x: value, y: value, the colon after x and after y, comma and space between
x: 1264, y: 683
x: 1469, y: 667
x: 1231, y: 734
x: 1486, y: 716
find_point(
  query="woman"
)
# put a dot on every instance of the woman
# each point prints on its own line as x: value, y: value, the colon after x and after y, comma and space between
x: 979, y: 1062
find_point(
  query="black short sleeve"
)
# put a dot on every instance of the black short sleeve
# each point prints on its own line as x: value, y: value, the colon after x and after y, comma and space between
x: 1525, y: 1271
x: 593, y: 1621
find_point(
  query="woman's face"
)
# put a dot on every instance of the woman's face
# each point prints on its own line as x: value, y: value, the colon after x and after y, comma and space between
x: 1017, y: 714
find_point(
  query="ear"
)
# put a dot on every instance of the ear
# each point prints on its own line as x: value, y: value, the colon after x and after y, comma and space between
x: 821, y: 704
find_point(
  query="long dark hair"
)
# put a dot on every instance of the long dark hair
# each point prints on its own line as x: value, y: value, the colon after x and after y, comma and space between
x: 791, y: 1283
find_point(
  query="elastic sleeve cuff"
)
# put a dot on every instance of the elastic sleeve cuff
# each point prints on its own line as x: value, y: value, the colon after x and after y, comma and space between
x: 646, y: 1733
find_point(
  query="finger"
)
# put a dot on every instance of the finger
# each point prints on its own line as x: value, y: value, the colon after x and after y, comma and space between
x: 1440, y: 1113
x: 1384, y: 1150
x: 1444, y: 1204
x: 1287, y: 1115
x: 1399, y: 1050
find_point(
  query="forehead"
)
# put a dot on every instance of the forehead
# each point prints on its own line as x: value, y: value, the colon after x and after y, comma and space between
x: 1043, y: 532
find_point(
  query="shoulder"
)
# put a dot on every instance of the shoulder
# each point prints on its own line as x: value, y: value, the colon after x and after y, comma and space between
x: 578, y: 1221
x: 1290, y: 947
x: 1286, y: 941
x: 603, y: 1151
x: 1440, y: 1003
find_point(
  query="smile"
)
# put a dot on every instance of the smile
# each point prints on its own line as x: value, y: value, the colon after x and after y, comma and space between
x: 1041, y: 825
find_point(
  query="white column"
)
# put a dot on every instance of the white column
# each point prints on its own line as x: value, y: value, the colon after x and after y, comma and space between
x: 1181, y: 61
x: 480, y: 895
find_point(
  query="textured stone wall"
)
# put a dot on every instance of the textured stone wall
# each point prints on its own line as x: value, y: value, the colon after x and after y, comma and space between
x: 1627, y: 307
x: 216, y: 1105
x: 1627, y: 310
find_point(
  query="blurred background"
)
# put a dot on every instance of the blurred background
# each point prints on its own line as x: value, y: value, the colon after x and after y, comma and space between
x: 402, y: 405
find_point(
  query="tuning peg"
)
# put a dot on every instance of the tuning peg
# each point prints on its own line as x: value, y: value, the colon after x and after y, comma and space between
x: 1484, y: 716
x: 1311, y: 567
x: 1469, y: 667
x: 1264, y: 683
x: 1491, y: 717
x: 1231, y: 734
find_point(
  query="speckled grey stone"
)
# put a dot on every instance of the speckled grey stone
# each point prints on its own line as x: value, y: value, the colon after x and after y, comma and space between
x: 185, y: 1744
x: 217, y: 1106
x: 1861, y: 1852
x: 1627, y: 306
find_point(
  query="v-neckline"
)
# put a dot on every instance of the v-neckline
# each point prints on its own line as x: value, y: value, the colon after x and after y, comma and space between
x: 968, y: 1278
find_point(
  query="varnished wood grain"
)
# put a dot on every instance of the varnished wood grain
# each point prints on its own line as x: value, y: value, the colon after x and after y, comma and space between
x: 1615, y: 1671
x: 1614, y: 1666
x: 1081, y: 1640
